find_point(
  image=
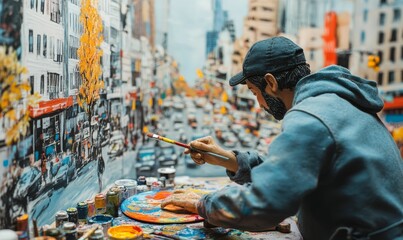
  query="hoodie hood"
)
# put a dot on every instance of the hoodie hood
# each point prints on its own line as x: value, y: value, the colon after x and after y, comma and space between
x: 360, y: 92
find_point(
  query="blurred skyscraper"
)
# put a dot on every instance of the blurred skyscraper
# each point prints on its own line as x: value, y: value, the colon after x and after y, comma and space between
x: 219, y: 20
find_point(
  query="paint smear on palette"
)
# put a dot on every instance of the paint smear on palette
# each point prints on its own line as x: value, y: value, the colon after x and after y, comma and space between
x: 146, y: 207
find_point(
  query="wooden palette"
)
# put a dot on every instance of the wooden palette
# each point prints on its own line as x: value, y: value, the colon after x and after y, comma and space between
x: 146, y: 207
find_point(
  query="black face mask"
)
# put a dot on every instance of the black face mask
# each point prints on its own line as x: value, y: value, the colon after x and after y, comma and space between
x: 276, y: 107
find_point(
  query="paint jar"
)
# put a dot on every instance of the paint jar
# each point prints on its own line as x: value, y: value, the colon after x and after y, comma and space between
x: 73, y: 215
x: 129, y: 184
x: 162, y: 181
x: 82, y: 229
x: 100, y: 203
x: 22, y: 227
x: 125, y: 232
x: 70, y: 231
x: 102, y: 219
x: 156, y: 186
x: 141, y: 180
x: 91, y: 207
x: 169, y: 174
x: 60, y: 218
x: 112, y: 203
x: 55, y: 232
x: 7, y: 234
x: 97, y: 235
x: 142, y: 188
x: 82, y: 212
x: 150, y: 181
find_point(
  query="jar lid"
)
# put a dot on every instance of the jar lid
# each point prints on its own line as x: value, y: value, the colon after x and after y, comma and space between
x: 61, y: 213
x: 69, y: 226
x: 72, y: 209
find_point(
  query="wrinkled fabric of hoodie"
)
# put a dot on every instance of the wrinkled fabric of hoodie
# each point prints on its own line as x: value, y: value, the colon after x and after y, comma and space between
x: 334, y: 164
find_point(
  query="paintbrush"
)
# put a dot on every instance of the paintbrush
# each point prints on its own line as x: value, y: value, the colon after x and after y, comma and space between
x: 88, y: 233
x: 158, y: 137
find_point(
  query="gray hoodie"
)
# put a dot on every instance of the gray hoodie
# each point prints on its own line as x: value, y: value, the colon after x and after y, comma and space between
x: 334, y: 163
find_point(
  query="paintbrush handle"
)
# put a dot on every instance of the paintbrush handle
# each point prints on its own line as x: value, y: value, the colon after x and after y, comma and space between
x: 210, y: 153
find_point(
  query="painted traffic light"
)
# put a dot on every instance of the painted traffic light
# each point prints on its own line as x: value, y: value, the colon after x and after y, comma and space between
x: 373, y: 62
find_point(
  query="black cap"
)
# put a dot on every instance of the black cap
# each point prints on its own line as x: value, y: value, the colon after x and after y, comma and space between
x: 272, y: 55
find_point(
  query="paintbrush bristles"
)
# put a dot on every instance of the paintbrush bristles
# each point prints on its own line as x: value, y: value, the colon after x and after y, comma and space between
x: 149, y: 135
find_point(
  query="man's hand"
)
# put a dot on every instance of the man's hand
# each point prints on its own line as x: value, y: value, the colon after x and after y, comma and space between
x: 186, y: 200
x: 208, y: 144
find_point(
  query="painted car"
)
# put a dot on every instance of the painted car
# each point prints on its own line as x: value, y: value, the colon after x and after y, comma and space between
x: 116, y: 144
x: 66, y: 171
x: 146, y: 160
x: 29, y: 184
x: 167, y: 156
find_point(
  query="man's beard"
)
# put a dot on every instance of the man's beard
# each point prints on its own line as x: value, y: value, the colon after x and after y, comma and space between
x: 276, y: 107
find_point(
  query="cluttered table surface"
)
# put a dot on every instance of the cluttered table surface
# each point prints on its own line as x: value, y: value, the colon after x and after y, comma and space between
x: 198, y: 229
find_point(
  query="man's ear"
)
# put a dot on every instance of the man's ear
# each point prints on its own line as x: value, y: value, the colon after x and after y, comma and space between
x: 271, y: 81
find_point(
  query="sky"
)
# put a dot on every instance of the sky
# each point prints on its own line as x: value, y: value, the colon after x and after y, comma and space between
x: 188, y: 23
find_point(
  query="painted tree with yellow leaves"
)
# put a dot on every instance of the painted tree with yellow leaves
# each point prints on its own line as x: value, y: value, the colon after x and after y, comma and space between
x: 15, y: 96
x: 90, y: 54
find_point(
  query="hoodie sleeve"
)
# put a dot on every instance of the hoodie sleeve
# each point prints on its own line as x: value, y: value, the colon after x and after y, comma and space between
x: 279, y: 183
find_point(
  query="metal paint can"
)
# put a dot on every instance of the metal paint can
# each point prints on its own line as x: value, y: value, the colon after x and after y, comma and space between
x: 73, y: 215
x: 70, y: 231
x: 61, y: 217
x: 82, y: 210
x: 141, y: 180
x: 91, y: 207
x: 104, y: 220
x: 169, y: 174
x: 142, y: 188
x: 81, y: 229
x: 150, y: 181
x: 119, y: 192
x: 112, y: 203
x: 129, y: 184
x: 125, y: 232
x: 97, y: 235
x: 100, y: 203
x: 162, y: 180
x: 55, y: 232
x: 8, y: 234
x: 155, y: 186
x: 22, y: 227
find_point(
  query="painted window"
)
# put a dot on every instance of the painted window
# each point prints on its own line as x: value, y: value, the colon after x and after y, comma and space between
x: 380, y: 78
x: 393, y: 35
x: 31, y: 82
x: 396, y: 14
x: 38, y: 44
x: 42, y: 90
x: 55, y: 11
x: 382, y: 17
x: 362, y: 36
x: 381, y: 37
x: 391, y: 77
x: 365, y: 17
x: 380, y: 55
x: 31, y: 41
x: 45, y: 44
x: 392, y: 54
x: 53, y: 86
x: 43, y: 6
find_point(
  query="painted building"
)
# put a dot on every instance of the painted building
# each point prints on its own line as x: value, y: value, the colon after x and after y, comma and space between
x: 260, y: 23
x: 377, y: 30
